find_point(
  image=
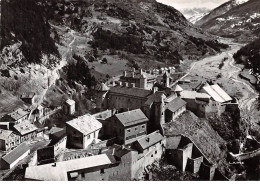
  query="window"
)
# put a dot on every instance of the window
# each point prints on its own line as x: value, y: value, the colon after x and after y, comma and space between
x: 143, y: 126
x: 88, y: 136
x: 155, y: 152
x: 136, y: 128
x: 128, y: 130
x: 151, y: 155
x: 102, y: 171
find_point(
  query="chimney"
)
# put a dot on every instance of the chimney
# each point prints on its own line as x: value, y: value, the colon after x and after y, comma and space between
x: 119, y: 83
x: 132, y: 85
x: 133, y: 74
x: 147, y: 139
x: 125, y: 84
x: 141, y: 71
x: 124, y: 73
x: 133, y: 69
x: 155, y: 89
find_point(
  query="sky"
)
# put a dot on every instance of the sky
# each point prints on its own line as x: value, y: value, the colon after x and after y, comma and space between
x: 183, y: 4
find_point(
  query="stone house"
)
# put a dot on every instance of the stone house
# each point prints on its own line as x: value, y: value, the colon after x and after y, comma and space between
x: 17, y: 116
x: 8, y: 140
x: 82, y: 131
x: 128, y: 126
x: 26, y: 130
x: 174, y: 108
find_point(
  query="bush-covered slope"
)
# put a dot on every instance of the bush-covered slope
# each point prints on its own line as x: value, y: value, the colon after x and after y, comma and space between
x: 249, y: 55
x: 27, y: 22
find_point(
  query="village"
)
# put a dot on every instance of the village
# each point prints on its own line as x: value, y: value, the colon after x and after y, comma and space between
x: 125, y: 135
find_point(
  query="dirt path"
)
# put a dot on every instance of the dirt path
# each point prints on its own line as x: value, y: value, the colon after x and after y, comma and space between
x: 54, y: 73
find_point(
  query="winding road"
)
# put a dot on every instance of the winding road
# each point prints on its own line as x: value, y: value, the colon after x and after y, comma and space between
x: 208, y: 68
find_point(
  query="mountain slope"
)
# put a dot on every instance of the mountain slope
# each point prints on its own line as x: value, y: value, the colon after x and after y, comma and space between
x: 143, y: 28
x: 234, y: 19
x: 249, y: 56
x: 109, y: 36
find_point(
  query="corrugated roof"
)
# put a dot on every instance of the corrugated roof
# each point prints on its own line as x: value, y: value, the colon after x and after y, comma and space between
x: 4, y: 134
x: 176, y: 104
x: 149, y: 140
x: 221, y: 92
x: 49, y: 172
x: 25, y: 127
x: 135, y: 92
x: 85, y: 124
x: 217, y: 93
x: 16, y: 153
x: 130, y: 118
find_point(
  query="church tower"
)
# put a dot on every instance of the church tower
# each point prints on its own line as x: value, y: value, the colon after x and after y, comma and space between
x: 159, y: 111
x: 166, y: 79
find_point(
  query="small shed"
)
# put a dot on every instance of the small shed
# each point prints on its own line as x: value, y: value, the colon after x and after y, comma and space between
x: 69, y: 107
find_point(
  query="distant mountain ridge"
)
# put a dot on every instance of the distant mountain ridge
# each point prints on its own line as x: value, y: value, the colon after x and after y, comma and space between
x: 235, y: 19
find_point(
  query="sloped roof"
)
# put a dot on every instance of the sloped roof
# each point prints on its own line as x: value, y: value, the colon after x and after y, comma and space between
x: 177, y: 88
x: 25, y: 127
x: 136, y: 92
x: 4, y: 134
x: 16, y: 153
x: 55, y: 130
x: 193, y: 95
x: 58, y: 172
x: 158, y: 96
x: 85, y: 124
x: 18, y: 114
x: 28, y: 95
x: 70, y: 102
x: 176, y: 104
x: 217, y: 93
x: 149, y: 140
x: 130, y: 118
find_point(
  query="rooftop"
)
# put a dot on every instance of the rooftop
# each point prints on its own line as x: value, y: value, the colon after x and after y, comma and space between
x: 177, y: 88
x: 58, y: 171
x: 85, y: 124
x: 176, y: 104
x: 136, y: 92
x: 4, y: 134
x: 139, y: 75
x: 18, y: 114
x: 149, y: 140
x: 217, y: 93
x: 70, y: 102
x: 25, y: 127
x: 28, y: 95
x: 102, y: 87
x: 193, y: 95
x: 16, y: 153
x: 130, y: 118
